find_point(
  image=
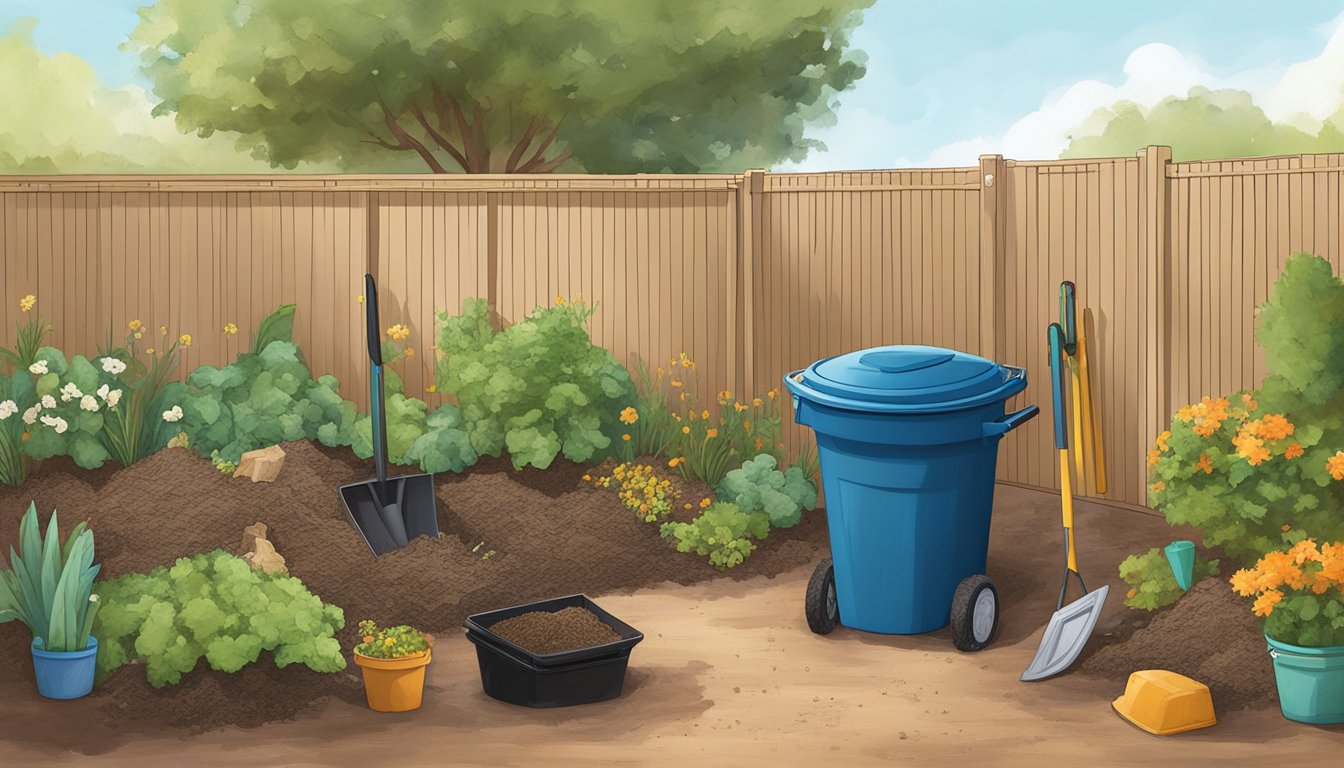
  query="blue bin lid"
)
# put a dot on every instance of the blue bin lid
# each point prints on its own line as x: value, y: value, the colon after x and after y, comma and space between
x: 909, y: 378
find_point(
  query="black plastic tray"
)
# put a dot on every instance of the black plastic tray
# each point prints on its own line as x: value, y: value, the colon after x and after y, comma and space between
x: 511, y: 679
x: 480, y: 623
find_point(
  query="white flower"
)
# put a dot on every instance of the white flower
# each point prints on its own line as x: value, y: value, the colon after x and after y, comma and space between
x: 102, y: 391
x: 93, y: 598
x: 30, y: 415
x: 113, y: 397
x: 112, y: 365
x: 8, y: 408
x: 88, y: 403
x: 70, y: 392
x: 39, y: 368
x: 56, y: 423
x: 48, y: 401
x: 173, y: 415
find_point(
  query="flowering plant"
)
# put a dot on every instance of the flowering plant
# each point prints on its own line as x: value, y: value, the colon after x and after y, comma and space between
x: 389, y: 642
x: 640, y: 490
x: 1299, y: 593
x: 28, y: 337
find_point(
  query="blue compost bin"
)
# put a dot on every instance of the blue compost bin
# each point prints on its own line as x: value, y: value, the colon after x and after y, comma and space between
x: 908, y: 438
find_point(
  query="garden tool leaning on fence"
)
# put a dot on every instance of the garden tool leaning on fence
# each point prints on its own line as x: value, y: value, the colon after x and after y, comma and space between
x: 1072, y: 624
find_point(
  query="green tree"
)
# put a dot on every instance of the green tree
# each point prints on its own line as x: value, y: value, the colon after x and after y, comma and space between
x: 504, y: 87
x: 1201, y: 125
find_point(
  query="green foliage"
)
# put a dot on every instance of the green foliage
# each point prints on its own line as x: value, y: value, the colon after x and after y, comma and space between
x: 277, y: 326
x: 222, y: 464
x: 758, y: 486
x: 445, y: 445
x: 389, y: 642
x: 1255, y: 468
x: 538, y: 388
x: 1152, y: 583
x: 214, y: 606
x: 262, y: 399
x: 504, y: 87
x: 28, y: 336
x: 1201, y: 125
x: 49, y: 587
x: 722, y: 532
x: 16, y: 397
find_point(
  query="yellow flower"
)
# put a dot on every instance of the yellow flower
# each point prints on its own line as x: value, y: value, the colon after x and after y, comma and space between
x: 1293, y: 451
x: 675, y: 383
x: 712, y: 433
x: 389, y: 642
x: 685, y: 430
x: 360, y: 298
x: 704, y: 502
x: 559, y: 301
x: 149, y: 351
x: 163, y: 330
x: 1335, y: 465
x: 587, y: 478
x: 772, y: 393
x: 184, y: 339
x: 725, y: 395
x: 230, y: 329
x: 432, y: 388
x: 139, y: 335
x: 398, y: 332
x: 28, y: 302
x: 626, y: 438
x: 134, y: 325
x: 1161, y: 441
x: 674, y: 461
x: 756, y: 401
x: 688, y: 505
x: 629, y: 415
x: 705, y: 415
x: 409, y: 351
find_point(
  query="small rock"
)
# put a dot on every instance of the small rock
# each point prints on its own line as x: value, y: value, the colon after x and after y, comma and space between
x: 262, y: 465
x: 250, y: 535
x: 264, y: 558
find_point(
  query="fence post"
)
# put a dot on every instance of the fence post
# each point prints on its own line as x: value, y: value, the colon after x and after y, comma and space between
x: 1156, y: 281
x: 993, y: 204
x: 748, y: 218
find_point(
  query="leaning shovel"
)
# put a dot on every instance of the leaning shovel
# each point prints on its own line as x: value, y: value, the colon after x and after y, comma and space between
x: 1072, y: 624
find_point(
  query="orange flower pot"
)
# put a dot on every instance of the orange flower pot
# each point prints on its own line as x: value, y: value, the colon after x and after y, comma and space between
x: 394, y: 685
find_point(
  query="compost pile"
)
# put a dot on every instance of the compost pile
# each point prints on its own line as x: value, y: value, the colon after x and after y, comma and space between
x: 1208, y: 635
x: 507, y: 537
x: 568, y: 629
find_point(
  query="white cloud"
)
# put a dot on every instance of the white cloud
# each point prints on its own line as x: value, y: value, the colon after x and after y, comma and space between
x: 1309, y: 88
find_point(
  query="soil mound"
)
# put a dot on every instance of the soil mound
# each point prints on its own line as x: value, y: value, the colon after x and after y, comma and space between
x: 545, y: 632
x: 1208, y: 635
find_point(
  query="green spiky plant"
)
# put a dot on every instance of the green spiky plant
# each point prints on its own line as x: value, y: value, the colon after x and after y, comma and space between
x: 50, y: 586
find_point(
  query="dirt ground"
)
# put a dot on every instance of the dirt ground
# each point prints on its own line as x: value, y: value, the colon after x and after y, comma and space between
x: 730, y: 675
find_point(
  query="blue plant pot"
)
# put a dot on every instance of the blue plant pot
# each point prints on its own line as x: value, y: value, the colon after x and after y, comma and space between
x: 64, y: 674
x: 1181, y: 555
x: 1310, y: 682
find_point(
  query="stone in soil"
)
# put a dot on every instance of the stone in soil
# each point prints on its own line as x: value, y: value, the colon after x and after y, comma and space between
x: 544, y: 632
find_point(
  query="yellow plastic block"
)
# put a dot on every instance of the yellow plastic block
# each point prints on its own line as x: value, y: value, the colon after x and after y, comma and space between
x: 1164, y: 703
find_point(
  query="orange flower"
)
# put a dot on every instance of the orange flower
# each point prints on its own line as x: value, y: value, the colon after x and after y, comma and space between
x: 704, y: 502
x: 1335, y: 465
x: 1264, y: 604
x: 1275, y: 427
x: 1153, y: 456
x: 1305, y: 551
x: 1159, y: 486
x: 685, y: 430
x: 759, y: 443
x: 1293, y: 451
x: 629, y: 416
x: 1205, y: 464
x: 1249, y: 401
x: 626, y: 438
x: 1287, y: 527
x: 674, y: 461
x: 712, y: 433
x: 1250, y: 447
x: 1131, y: 593
x: 1244, y: 582
x: 1161, y: 441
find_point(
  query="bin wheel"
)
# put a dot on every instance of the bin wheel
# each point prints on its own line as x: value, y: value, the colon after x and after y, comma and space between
x: 822, y: 608
x: 975, y: 613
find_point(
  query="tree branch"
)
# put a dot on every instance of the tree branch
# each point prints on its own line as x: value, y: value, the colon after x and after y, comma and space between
x: 521, y: 146
x: 552, y: 164
x: 439, y: 139
x: 536, y: 162
x: 408, y: 141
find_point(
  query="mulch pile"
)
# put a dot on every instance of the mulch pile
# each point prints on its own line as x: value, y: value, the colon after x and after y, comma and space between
x: 543, y: 632
x: 507, y: 537
x: 1208, y: 635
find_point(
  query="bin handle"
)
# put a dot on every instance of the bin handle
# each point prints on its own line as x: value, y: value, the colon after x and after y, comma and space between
x: 1002, y: 426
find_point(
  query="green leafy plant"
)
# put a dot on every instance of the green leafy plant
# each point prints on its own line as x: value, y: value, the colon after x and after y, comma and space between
x: 808, y: 461
x: 389, y: 642
x: 758, y: 486
x: 70, y: 407
x: 222, y: 464
x: 723, y: 533
x: 277, y: 326
x: 1299, y: 593
x: 1152, y: 585
x: 1248, y: 468
x: 16, y: 397
x: 213, y: 606
x: 538, y: 388
x: 28, y: 336
x: 49, y: 587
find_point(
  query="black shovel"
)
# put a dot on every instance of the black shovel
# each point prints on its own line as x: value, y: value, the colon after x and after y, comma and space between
x: 387, y: 512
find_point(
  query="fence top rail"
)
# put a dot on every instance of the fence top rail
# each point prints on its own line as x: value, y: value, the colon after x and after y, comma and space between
x: 463, y: 183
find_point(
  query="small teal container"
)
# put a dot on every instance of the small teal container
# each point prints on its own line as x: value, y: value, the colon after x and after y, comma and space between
x: 64, y: 675
x: 1310, y: 682
x: 1181, y: 556
x: 908, y: 438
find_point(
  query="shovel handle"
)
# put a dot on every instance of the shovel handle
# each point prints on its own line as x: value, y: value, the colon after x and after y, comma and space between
x: 371, y: 320
x: 1055, y: 335
x: 1068, y: 315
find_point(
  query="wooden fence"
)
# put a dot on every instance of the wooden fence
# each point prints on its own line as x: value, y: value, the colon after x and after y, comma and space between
x: 753, y: 275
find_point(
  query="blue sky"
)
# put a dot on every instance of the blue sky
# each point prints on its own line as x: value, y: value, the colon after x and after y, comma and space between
x: 948, y: 80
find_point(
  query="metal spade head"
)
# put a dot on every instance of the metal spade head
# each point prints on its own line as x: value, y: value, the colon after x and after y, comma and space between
x: 1066, y: 634
x: 410, y: 498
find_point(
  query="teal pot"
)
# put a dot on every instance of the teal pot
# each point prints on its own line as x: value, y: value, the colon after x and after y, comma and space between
x: 1181, y: 555
x: 1311, y: 682
x: 64, y: 674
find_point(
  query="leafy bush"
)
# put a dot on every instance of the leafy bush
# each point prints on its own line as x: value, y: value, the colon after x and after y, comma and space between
x: 759, y: 487
x: 538, y: 388
x: 389, y: 642
x: 50, y: 586
x: 1151, y: 581
x: 1299, y: 593
x: 722, y: 532
x: 16, y: 396
x: 1247, y: 468
x: 437, y: 441
x: 640, y: 490
x: 262, y: 399
x: 214, y: 606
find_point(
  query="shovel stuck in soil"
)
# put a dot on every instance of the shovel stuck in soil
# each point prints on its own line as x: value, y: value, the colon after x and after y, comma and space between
x: 387, y: 512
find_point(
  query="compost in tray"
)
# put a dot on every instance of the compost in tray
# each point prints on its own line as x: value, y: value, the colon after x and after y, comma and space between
x: 568, y: 629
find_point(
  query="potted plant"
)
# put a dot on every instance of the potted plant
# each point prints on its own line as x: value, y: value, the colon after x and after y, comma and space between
x: 49, y: 587
x: 1299, y: 597
x: 393, y: 661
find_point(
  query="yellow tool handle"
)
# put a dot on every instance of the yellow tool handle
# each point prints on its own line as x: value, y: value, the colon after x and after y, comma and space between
x: 1076, y: 415
x: 1092, y: 413
x: 1066, y: 498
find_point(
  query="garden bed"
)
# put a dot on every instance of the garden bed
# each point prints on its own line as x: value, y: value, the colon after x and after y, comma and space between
x: 508, y: 537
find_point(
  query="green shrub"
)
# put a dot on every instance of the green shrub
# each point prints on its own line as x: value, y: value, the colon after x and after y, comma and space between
x: 214, y: 606
x: 1247, y: 468
x: 16, y: 397
x: 539, y: 388
x: 436, y: 442
x: 1151, y: 581
x: 722, y: 532
x: 758, y: 486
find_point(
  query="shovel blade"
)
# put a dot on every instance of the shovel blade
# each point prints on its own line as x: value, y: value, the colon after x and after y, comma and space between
x: 1065, y: 635
x: 414, y: 494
